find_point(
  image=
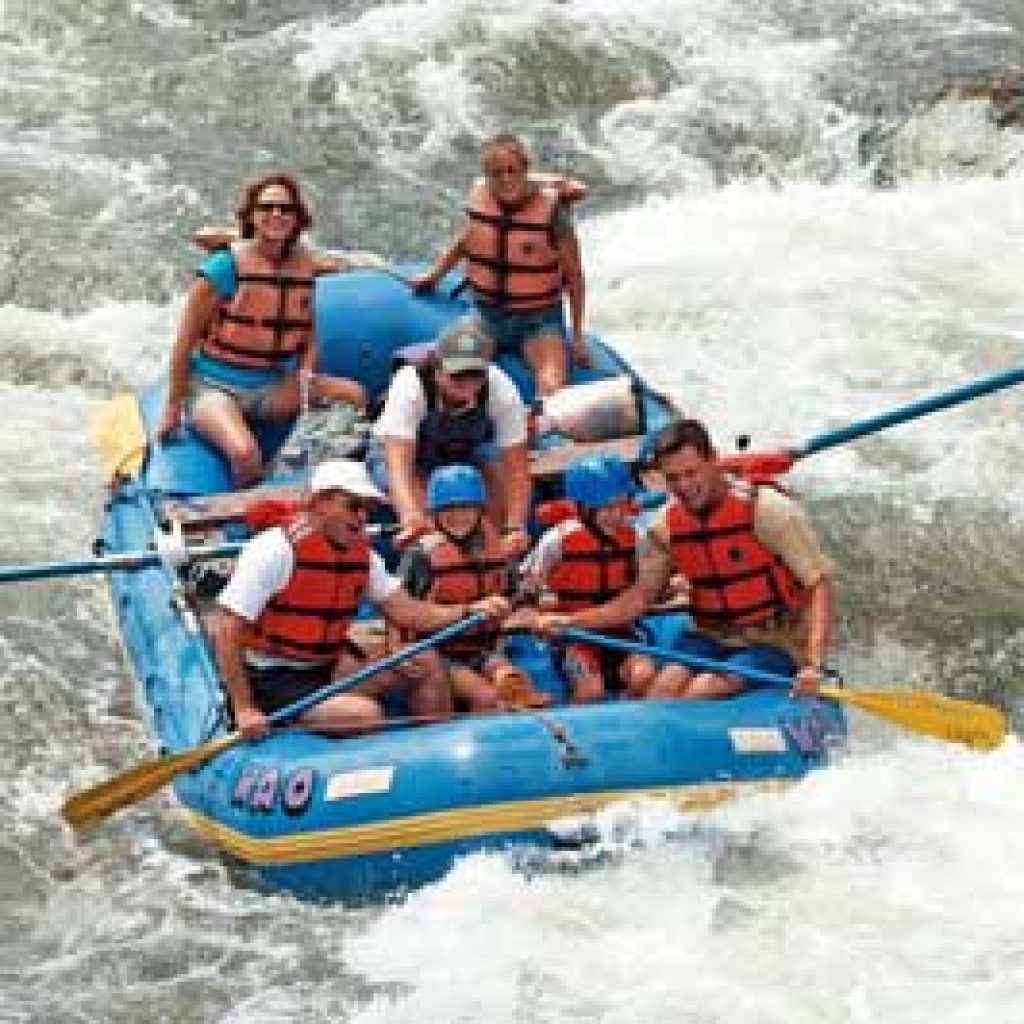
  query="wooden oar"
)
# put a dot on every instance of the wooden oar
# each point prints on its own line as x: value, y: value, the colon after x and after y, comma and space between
x: 930, y: 714
x: 120, y: 436
x: 980, y: 726
x: 98, y: 802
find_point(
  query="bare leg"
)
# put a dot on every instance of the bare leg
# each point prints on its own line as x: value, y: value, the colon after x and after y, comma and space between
x: 711, y: 686
x: 514, y: 687
x: 670, y: 683
x: 424, y: 681
x: 217, y: 417
x: 548, y: 358
x: 637, y: 673
x: 583, y: 671
x: 344, y: 713
x: 283, y: 401
x: 588, y: 689
x: 428, y: 687
x: 473, y: 689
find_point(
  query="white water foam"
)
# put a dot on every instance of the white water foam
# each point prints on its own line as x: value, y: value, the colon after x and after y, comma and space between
x: 788, y: 312
x: 876, y: 891
x: 880, y: 891
x: 742, y: 72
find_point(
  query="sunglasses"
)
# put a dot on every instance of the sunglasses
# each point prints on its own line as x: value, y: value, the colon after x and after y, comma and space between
x: 283, y: 208
x: 468, y: 376
x: 504, y: 172
x: 350, y: 502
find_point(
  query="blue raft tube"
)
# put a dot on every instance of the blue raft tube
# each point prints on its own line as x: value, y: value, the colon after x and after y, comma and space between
x: 364, y: 816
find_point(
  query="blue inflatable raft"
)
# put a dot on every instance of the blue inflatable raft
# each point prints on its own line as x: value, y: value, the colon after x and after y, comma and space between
x: 367, y: 815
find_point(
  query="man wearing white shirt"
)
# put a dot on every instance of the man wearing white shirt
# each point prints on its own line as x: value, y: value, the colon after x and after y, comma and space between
x: 282, y: 627
x: 456, y: 409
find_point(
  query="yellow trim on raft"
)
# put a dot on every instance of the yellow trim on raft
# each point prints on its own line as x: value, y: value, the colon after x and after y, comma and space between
x: 459, y: 823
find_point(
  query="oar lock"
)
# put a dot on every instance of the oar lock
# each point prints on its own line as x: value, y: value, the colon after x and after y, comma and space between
x: 831, y: 675
x: 170, y: 545
x: 187, y: 564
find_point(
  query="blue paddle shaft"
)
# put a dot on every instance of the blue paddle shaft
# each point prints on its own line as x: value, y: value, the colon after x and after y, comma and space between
x: 911, y: 411
x: 343, y: 685
x: 755, y: 675
x: 106, y: 563
x: 130, y: 560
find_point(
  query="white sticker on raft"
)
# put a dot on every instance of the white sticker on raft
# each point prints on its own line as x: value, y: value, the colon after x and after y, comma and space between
x: 758, y: 741
x: 359, y: 783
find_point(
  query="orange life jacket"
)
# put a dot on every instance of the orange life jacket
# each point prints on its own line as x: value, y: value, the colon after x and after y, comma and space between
x: 459, y: 577
x: 594, y: 567
x: 511, y: 260
x: 269, y: 319
x: 734, y: 579
x: 309, y: 619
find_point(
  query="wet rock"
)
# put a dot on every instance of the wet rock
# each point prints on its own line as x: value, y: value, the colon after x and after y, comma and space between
x: 970, y: 127
x: 1003, y: 91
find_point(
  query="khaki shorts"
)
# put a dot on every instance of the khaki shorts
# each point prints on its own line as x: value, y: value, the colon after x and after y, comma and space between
x: 255, y: 403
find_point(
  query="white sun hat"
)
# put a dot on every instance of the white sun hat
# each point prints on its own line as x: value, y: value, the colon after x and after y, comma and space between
x: 345, y: 475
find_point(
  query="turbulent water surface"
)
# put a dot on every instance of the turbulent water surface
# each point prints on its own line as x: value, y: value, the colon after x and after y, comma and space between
x: 801, y: 213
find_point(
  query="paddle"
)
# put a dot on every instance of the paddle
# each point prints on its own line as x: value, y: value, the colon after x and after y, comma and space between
x: 120, y: 437
x: 131, y: 560
x: 774, y: 463
x: 94, y: 804
x: 930, y: 714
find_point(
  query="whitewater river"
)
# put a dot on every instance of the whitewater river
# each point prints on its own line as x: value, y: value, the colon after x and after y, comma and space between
x: 787, y: 233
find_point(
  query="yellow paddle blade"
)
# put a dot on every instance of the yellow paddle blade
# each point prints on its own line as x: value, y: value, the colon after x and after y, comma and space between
x: 120, y: 436
x: 930, y: 714
x: 95, y: 804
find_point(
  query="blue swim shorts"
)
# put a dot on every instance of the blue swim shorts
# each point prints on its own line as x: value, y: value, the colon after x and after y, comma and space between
x: 512, y: 331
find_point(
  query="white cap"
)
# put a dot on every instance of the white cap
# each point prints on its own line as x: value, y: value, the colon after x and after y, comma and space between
x: 344, y: 475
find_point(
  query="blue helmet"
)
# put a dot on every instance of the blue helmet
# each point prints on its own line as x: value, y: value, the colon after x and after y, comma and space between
x: 455, y: 485
x: 597, y: 480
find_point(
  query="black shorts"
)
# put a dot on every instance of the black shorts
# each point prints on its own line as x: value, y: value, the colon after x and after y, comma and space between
x: 277, y: 687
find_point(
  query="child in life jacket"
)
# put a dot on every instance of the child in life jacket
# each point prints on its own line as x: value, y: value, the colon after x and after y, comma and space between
x: 460, y: 561
x: 586, y: 568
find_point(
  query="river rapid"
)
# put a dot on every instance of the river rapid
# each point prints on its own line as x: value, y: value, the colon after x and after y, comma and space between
x: 794, y: 222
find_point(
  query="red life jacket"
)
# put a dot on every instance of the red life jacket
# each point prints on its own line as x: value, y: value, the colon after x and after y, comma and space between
x: 594, y: 567
x: 269, y: 319
x: 460, y: 577
x: 511, y: 260
x: 309, y: 619
x: 263, y: 513
x: 734, y: 579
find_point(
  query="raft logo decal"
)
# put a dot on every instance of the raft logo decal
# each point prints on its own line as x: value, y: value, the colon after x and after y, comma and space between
x: 258, y: 788
x: 813, y: 734
x: 362, y: 782
x: 298, y: 790
x: 757, y: 740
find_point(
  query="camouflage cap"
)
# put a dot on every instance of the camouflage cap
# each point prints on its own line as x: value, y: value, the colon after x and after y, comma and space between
x: 464, y: 345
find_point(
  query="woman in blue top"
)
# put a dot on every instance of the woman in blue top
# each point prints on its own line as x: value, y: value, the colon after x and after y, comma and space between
x: 245, y: 349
